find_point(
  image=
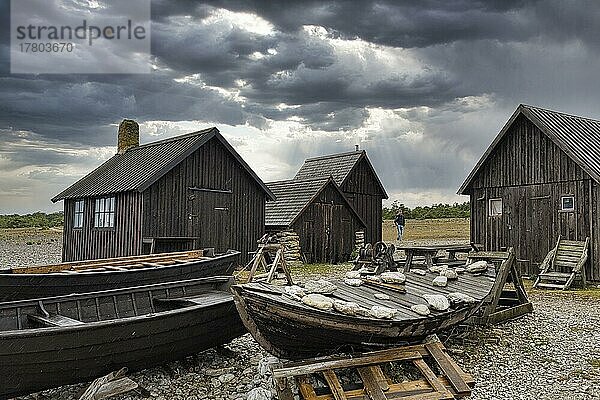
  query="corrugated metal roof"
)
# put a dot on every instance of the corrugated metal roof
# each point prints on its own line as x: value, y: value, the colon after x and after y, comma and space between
x: 141, y: 166
x: 578, y: 137
x: 337, y: 166
x: 292, y: 197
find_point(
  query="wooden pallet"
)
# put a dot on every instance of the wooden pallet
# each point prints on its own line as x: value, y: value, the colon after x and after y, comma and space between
x: 451, y: 383
x: 563, y: 264
x: 504, y: 302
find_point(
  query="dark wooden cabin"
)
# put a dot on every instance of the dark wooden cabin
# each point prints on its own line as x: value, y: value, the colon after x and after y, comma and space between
x: 538, y: 179
x: 357, y: 179
x: 317, y: 210
x: 188, y: 192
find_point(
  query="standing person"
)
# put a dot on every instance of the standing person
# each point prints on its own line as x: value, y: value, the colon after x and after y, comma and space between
x: 399, y: 221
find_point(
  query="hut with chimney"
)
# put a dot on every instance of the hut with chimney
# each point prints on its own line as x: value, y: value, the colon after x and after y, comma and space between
x: 358, y: 181
x: 187, y: 192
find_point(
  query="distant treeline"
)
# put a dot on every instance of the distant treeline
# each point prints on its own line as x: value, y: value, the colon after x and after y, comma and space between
x: 35, y: 220
x: 455, y: 210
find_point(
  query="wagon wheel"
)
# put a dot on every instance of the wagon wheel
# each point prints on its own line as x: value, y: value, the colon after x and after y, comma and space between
x: 380, y: 250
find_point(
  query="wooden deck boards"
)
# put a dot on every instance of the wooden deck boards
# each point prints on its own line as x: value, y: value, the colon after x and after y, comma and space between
x: 416, y: 286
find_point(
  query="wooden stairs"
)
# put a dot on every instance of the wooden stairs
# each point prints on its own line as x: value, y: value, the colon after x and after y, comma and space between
x: 563, y: 264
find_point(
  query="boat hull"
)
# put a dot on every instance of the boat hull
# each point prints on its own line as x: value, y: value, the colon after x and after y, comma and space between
x: 15, y: 286
x: 292, y: 332
x: 37, y: 359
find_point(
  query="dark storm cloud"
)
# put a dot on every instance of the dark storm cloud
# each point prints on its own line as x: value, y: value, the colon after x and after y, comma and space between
x: 457, y: 69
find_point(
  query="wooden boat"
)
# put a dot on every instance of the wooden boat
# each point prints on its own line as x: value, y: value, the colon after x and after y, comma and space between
x: 111, y: 273
x: 290, y: 329
x: 61, y: 340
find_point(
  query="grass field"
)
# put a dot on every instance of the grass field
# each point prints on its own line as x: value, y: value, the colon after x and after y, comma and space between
x: 429, y: 229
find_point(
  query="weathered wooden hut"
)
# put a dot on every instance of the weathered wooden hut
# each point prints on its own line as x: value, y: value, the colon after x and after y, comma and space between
x: 538, y: 179
x: 357, y: 179
x: 187, y: 192
x: 316, y: 210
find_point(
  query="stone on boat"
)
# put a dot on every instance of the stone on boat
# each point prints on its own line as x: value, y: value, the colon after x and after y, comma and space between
x: 318, y: 301
x: 440, y: 281
x: 437, y: 302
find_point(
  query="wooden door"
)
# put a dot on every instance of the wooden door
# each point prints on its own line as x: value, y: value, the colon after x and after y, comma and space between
x: 539, y: 229
x: 210, y: 220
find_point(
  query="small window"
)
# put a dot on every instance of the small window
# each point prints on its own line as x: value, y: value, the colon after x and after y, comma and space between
x: 78, y: 216
x: 104, y: 213
x: 567, y: 203
x: 495, y: 207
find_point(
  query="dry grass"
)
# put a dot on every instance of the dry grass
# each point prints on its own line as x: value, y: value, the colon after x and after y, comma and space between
x: 426, y: 229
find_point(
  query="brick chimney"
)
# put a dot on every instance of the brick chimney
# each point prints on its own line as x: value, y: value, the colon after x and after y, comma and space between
x: 129, y: 135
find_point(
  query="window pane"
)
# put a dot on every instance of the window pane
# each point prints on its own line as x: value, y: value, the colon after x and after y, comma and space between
x: 111, y: 220
x: 112, y: 204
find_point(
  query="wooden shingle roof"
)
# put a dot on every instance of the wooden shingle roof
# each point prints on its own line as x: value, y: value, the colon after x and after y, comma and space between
x: 293, y: 196
x: 141, y: 166
x: 578, y: 137
x: 339, y: 166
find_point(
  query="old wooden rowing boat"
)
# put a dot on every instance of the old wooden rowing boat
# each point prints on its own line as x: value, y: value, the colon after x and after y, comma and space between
x: 54, y: 341
x: 111, y: 273
x: 290, y: 329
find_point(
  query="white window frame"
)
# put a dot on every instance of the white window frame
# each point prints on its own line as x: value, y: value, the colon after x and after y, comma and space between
x: 78, y: 214
x: 562, y: 204
x: 104, y: 212
x: 491, y: 209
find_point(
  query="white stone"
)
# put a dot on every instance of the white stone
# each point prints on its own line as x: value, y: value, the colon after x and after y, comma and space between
x: 459, y: 270
x: 419, y: 271
x: 393, y: 277
x: 226, y: 378
x: 383, y: 312
x: 259, y: 394
x: 318, y: 301
x: 353, y: 282
x: 449, y: 273
x: 353, y: 274
x: 381, y: 296
x: 477, y: 266
x: 441, y: 281
x: 421, y: 309
x: 346, y: 307
x: 321, y: 286
x: 458, y: 298
x: 437, y: 302
x: 295, y: 290
x: 438, y: 268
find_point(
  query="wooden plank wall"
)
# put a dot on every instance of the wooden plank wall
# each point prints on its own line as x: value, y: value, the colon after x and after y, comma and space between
x: 125, y: 239
x: 312, y: 227
x: 233, y: 220
x: 530, y: 173
x: 366, y: 197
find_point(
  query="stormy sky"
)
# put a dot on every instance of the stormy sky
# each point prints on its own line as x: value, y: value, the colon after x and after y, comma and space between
x: 422, y: 85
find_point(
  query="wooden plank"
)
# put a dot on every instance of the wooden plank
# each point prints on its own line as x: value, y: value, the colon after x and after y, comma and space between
x: 371, y: 385
x: 54, y: 320
x: 381, y: 379
x: 448, y: 369
x: 306, y: 389
x: 334, y: 385
x: 373, y: 358
x: 509, y: 313
x: 433, y: 380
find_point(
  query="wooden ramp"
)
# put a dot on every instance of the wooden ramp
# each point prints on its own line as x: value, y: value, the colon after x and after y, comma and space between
x: 563, y: 264
x: 435, y: 375
x: 505, y: 302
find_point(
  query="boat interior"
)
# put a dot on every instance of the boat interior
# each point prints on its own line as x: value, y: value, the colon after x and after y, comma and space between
x: 113, y: 264
x: 79, y: 309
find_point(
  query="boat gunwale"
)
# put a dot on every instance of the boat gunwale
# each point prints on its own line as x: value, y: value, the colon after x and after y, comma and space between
x: 6, y: 334
x: 5, y: 273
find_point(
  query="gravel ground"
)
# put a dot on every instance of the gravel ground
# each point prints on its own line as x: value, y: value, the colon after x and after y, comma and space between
x: 553, y: 353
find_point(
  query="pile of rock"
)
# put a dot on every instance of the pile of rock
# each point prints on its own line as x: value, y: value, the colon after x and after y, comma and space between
x: 291, y: 241
x: 359, y: 240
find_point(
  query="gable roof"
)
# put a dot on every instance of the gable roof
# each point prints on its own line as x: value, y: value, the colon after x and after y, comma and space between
x: 294, y: 196
x: 339, y: 166
x: 578, y: 137
x: 141, y: 166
